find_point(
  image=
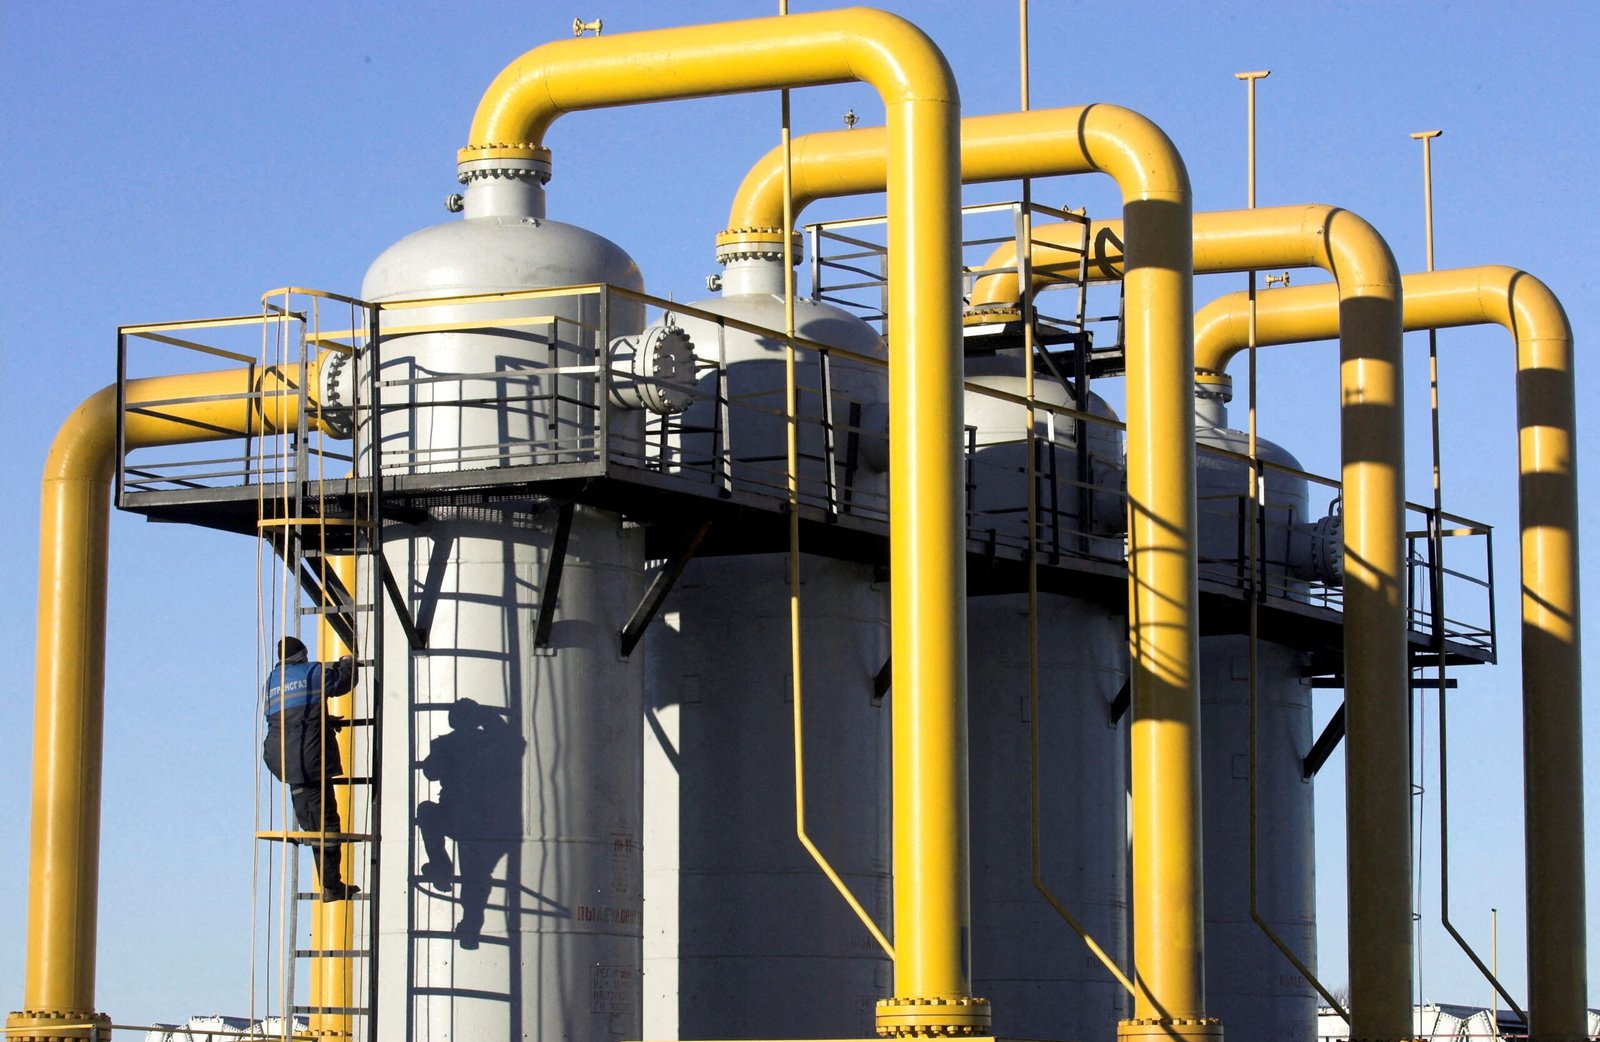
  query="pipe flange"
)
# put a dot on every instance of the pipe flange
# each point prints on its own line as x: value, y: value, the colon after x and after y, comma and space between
x: 1216, y: 387
x: 936, y: 1016
x: 1196, y: 1029
x: 55, y: 1025
x: 513, y: 162
x: 737, y: 244
x: 990, y: 314
x: 335, y: 376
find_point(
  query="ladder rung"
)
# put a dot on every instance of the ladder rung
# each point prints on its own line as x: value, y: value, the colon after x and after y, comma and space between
x: 335, y: 609
x: 313, y: 837
x: 331, y: 953
x: 335, y: 1011
x: 316, y: 895
x: 314, y: 521
x: 351, y: 781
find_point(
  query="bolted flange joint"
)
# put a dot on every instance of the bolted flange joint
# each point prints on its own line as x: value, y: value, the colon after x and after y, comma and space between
x: 52, y: 1025
x: 991, y: 314
x: 737, y: 244
x: 1213, y: 386
x: 516, y: 162
x: 1187, y: 1029
x: 935, y: 1016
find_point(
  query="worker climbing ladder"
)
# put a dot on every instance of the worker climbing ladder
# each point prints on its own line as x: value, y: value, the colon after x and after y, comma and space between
x: 320, y: 565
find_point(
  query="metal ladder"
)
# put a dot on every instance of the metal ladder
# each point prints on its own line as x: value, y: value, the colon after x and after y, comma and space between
x: 318, y: 526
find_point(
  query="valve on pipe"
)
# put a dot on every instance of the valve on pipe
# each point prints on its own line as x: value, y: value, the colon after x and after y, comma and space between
x: 1316, y: 549
x: 653, y: 370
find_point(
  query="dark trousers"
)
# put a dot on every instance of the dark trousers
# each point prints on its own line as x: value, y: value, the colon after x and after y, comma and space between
x: 316, y: 813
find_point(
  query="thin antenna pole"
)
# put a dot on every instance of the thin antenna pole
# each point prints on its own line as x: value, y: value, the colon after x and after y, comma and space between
x: 1255, y: 509
x: 1436, y: 588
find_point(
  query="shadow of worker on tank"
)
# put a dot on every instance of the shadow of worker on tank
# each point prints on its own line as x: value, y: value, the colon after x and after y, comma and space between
x: 478, y: 765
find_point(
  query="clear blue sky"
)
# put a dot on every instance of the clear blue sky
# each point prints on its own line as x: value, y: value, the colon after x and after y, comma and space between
x: 174, y: 160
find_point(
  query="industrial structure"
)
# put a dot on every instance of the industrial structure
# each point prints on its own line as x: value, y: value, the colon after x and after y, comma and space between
x: 850, y: 640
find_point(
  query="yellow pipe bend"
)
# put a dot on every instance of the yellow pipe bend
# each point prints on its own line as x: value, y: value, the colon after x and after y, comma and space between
x: 69, y: 687
x: 1163, y: 636
x: 1552, y: 687
x: 998, y: 147
x: 927, y: 558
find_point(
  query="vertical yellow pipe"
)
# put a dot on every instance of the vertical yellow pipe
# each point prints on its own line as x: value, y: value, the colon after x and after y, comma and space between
x: 333, y: 922
x: 1552, y: 686
x: 1163, y: 637
x: 69, y: 685
x: 927, y: 545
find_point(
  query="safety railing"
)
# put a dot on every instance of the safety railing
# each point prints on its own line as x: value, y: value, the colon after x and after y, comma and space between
x: 549, y: 384
x: 1076, y: 312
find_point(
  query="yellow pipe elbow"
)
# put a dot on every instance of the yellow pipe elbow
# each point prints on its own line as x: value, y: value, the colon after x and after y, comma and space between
x: 852, y: 44
x: 927, y: 560
x: 1162, y: 585
x: 1552, y: 683
x: 1038, y: 143
x: 69, y: 686
x: 1372, y: 448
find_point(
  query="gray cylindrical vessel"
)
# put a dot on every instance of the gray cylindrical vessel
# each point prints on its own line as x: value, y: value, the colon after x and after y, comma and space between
x: 735, y: 903
x: 1042, y: 981
x: 1248, y: 981
x: 511, y: 815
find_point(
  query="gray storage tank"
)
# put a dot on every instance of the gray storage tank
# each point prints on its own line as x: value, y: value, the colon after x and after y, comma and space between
x: 735, y: 903
x: 519, y: 915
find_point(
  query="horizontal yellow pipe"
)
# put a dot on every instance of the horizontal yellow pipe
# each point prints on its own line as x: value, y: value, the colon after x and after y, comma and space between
x: 1168, y: 913
x: 1552, y: 685
x: 928, y: 580
x: 69, y: 688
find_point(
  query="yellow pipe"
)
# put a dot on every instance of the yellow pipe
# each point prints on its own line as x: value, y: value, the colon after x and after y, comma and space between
x: 333, y: 922
x: 1552, y: 688
x: 69, y: 688
x: 927, y: 561
x: 1168, y: 916
x: 1377, y: 787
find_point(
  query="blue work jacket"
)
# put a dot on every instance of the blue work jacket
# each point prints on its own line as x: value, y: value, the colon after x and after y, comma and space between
x: 295, y: 748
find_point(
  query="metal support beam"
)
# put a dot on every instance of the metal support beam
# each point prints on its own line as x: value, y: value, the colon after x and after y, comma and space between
x: 416, y: 636
x: 659, y: 588
x: 1325, y: 744
x: 551, y: 587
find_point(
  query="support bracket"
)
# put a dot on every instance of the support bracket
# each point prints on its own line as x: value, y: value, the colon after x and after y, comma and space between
x: 1325, y: 744
x: 551, y: 587
x: 660, y: 586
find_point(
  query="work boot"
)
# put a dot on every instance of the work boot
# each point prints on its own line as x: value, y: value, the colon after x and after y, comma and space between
x: 333, y: 889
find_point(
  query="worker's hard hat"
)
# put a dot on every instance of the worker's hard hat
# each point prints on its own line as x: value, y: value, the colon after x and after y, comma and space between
x: 289, y: 648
